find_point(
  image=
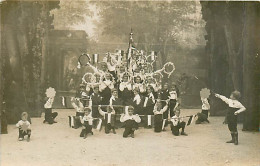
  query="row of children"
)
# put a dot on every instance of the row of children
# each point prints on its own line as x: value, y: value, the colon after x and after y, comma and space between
x: 130, y: 121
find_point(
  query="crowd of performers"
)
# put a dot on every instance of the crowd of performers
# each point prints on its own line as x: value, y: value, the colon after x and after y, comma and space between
x: 133, y: 93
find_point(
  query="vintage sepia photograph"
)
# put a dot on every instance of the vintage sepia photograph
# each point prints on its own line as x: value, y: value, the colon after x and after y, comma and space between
x: 129, y: 83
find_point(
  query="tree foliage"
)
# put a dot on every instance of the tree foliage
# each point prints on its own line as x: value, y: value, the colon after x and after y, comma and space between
x: 155, y: 23
x: 71, y: 13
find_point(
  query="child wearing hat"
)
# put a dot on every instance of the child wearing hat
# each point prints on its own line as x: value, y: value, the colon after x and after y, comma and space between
x: 24, y: 127
x: 130, y: 122
x: 234, y: 108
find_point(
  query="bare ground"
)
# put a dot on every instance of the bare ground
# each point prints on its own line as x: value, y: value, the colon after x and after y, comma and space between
x: 59, y: 145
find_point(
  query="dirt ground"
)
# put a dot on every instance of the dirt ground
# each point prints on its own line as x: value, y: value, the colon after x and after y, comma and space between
x: 60, y: 145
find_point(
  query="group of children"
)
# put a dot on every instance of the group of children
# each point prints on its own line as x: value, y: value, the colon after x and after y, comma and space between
x: 117, y: 86
x: 161, y: 103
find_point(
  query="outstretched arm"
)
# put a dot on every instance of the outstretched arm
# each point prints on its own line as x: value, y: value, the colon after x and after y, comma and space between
x: 223, y: 98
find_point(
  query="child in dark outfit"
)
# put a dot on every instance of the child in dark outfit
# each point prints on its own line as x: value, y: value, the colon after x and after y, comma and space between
x: 96, y: 100
x: 131, y: 122
x: 109, y: 117
x: 235, y: 107
x: 49, y: 115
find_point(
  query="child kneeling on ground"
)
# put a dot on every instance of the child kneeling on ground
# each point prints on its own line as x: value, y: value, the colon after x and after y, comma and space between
x: 177, y: 123
x: 131, y: 122
x: 87, y: 122
x: 24, y: 127
x: 203, y: 116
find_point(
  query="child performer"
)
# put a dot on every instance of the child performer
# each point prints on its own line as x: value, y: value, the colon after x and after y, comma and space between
x: 177, y: 123
x: 109, y: 117
x: 125, y: 89
x: 149, y: 103
x: 173, y: 96
x: 49, y: 115
x: 87, y: 122
x: 203, y: 116
x: 111, y: 65
x: 115, y: 101
x: 96, y: 100
x: 138, y: 102
x: 164, y: 96
x: 235, y: 107
x: 131, y: 122
x: 105, y: 88
x: 82, y: 94
x: 138, y: 84
x: 24, y: 127
x: 159, y: 122
x: 149, y: 81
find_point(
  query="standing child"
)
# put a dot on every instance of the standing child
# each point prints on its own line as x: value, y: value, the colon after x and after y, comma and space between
x: 131, y: 122
x: 138, y: 102
x: 235, y: 107
x: 115, y: 101
x: 109, y: 117
x: 159, y: 122
x: 149, y: 103
x: 96, y: 100
x: 105, y: 88
x: 24, y: 127
x: 164, y: 94
x: 87, y: 122
x: 125, y: 89
x: 177, y: 123
x: 173, y: 96
x: 49, y: 115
